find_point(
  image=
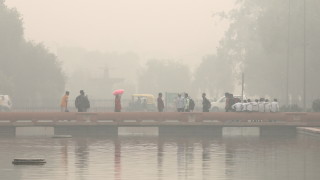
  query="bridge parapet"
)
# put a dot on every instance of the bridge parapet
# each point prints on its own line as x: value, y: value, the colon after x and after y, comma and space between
x: 159, y: 119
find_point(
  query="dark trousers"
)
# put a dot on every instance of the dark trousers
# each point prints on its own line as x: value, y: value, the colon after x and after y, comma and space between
x: 180, y: 109
x: 205, y: 110
x: 82, y: 110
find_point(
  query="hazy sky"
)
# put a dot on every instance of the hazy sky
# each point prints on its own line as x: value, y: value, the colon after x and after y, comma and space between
x: 173, y: 29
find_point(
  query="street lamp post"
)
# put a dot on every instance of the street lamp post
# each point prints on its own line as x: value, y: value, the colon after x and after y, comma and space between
x: 304, y: 58
x: 288, y: 54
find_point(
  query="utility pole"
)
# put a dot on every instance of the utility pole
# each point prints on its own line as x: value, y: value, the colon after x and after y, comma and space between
x: 304, y: 58
x: 242, y: 86
x: 288, y: 54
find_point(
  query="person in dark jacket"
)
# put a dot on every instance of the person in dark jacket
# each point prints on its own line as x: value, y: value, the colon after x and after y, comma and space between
x: 206, y: 105
x: 228, y: 104
x: 82, y: 102
x: 160, y: 103
x: 117, y: 103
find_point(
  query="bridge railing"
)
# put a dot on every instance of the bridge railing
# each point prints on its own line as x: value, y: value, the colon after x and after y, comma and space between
x: 156, y: 118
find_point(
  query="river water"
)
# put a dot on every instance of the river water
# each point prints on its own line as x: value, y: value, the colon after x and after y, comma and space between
x: 168, y: 158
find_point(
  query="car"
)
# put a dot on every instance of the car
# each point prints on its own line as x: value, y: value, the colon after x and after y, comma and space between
x: 5, y: 103
x: 220, y: 104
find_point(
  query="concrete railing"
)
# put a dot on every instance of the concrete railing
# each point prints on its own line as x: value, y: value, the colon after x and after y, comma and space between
x: 159, y: 119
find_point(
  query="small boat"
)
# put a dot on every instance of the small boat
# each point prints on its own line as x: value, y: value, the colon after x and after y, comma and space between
x: 27, y: 161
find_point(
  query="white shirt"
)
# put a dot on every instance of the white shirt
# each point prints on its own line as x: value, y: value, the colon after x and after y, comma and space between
x: 261, y: 106
x: 180, y: 102
x: 245, y: 106
x: 249, y: 107
x: 237, y: 106
x: 186, y: 103
x: 274, y: 106
x: 255, y: 106
x: 267, y: 107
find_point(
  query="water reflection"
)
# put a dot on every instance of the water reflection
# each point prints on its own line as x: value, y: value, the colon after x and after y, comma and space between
x: 117, y: 159
x: 122, y: 158
x: 160, y: 157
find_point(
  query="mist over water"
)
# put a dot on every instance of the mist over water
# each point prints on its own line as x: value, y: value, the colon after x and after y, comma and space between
x: 144, y: 48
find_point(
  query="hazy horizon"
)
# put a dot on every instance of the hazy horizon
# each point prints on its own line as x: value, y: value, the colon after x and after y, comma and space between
x: 181, y: 30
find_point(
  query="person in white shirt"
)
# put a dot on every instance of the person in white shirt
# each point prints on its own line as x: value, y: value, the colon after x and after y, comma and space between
x: 255, y: 107
x: 180, y: 103
x: 261, y: 105
x: 274, y: 106
x: 249, y: 106
x: 245, y: 106
x: 267, y: 106
x: 237, y: 107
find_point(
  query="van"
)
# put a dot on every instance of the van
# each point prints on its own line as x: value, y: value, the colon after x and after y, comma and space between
x: 5, y: 103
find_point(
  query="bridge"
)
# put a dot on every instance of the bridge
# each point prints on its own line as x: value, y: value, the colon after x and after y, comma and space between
x: 167, y: 122
x: 225, y: 119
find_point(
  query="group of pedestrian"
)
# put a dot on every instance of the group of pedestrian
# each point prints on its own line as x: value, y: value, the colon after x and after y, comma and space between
x: 184, y: 103
x: 261, y: 105
x: 82, y: 102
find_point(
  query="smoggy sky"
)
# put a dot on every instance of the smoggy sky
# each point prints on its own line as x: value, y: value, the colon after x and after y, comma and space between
x: 183, y: 30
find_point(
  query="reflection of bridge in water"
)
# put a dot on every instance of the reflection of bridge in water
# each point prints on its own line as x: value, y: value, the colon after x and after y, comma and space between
x: 167, y: 122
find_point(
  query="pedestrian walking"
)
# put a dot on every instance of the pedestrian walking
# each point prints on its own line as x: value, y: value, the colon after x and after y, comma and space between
x: 180, y: 103
x: 237, y: 107
x: 82, y: 102
x: 160, y: 103
x: 206, y: 105
x: 249, y: 106
x: 255, y: 105
x: 261, y: 105
x: 186, y: 103
x: 267, y: 106
x: 245, y: 105
x: 274, y: 106
x: 117, y: 103
x: 64, y: 102
x: 228, y: 102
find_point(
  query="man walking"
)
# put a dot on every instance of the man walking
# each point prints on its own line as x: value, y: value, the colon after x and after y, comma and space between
x: 261, y: 105
x: 160, y: 103
x: 180, y: 103
x: 275, y: 106
x: 64, y: 102
x: 82, y: 102
x: 186, y: 103
x: 206, y: 105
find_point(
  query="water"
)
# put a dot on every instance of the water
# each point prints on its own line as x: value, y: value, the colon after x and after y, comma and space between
x: 153, y: 157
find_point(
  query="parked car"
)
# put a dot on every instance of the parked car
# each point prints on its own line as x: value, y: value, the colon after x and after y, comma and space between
x: 5, y: 103
x: 220, y: 104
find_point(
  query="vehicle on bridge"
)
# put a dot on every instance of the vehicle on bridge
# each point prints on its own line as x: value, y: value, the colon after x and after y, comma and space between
x: 142, y: 103
x: 220, y: 104
x: 5, y: 103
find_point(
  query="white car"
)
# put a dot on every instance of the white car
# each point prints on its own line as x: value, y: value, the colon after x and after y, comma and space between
x: 5, y: 103
x: 220, y: 104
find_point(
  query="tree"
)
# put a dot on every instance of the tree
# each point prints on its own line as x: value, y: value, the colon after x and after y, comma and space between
x: 257, y: 41
x: 164, y: 76
x: 214, y: 76
x: 29, y: 72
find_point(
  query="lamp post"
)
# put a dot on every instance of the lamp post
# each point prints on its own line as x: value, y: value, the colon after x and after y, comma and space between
x: 304, y: 58
x: 288, y: 54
